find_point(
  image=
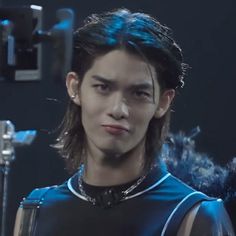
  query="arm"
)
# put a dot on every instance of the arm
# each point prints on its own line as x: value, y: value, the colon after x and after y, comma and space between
x: 209, y: 218
x: 18, y: 221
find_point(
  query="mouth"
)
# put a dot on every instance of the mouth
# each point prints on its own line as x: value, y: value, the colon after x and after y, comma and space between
x: 115, y: 129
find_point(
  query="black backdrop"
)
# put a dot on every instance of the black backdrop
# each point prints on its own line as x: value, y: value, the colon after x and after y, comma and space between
x: 206, y: 32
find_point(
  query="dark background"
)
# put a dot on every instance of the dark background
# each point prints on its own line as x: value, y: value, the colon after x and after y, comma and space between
x: 206, y: 32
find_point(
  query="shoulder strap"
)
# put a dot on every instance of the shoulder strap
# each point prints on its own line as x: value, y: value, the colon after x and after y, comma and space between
x: 174, y: 221
x: 30, y: 207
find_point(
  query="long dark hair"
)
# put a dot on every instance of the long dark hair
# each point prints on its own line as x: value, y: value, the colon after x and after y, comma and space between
x: 137, y: 33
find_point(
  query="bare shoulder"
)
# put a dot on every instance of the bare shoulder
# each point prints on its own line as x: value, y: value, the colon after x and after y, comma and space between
x: 18, y: 221
x: 212, y: 219
x: 209, y: 218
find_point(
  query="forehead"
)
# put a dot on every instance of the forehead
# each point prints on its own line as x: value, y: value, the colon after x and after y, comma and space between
x: 123, y: 67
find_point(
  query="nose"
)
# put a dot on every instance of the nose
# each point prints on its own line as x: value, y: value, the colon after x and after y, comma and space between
x: 118, y: 107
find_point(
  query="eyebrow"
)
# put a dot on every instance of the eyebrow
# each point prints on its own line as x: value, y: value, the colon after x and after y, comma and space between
x: 142, y: 85
x: 102, y: 79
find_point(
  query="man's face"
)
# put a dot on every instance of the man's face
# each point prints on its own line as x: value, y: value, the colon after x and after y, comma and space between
x: 118, y: 101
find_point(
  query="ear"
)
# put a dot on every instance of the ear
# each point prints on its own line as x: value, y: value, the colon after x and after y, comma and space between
x: 72, y: 84
x: 164, y: 103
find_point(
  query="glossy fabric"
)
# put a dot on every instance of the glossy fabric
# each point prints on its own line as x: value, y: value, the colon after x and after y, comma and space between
x: 64, y: 213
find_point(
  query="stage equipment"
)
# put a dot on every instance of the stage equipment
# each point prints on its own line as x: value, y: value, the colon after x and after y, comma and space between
x: 20, y: 57
x: 9, y: 139
x: 21, y: 38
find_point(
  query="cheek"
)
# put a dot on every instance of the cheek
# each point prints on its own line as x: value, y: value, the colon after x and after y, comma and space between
x: 142, y: 119
x: 91, y: 112
x: 88, y: 103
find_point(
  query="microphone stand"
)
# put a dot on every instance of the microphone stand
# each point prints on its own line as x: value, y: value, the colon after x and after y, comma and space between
x: 7, y: 155
x: 9, y: 139
x: 5, y: 173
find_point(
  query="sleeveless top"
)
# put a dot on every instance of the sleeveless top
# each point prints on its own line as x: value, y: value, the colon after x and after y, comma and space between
x: 151, y: 209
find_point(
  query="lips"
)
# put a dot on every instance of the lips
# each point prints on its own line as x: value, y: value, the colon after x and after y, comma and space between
x: 115, y: 129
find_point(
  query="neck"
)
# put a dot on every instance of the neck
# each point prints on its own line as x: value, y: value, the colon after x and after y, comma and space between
x: 106, y: 170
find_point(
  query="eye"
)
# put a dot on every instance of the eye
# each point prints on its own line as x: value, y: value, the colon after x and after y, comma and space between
x: 140, y: 94
x: 102, y: 88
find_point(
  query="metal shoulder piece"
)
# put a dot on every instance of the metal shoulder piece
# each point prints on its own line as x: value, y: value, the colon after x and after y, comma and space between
x: 208, y: 218
x: 26, y: 217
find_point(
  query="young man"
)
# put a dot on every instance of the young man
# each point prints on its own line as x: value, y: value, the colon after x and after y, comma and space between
x: 126, y: 69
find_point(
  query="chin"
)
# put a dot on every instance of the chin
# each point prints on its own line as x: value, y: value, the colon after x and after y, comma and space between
x: 114, y: 158
x: 113, y: 153
x: 112, y: 147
